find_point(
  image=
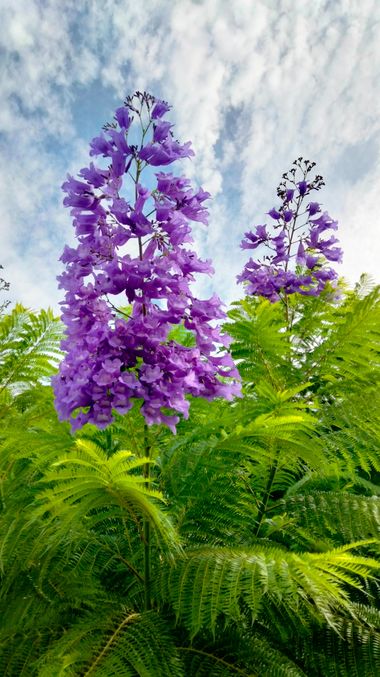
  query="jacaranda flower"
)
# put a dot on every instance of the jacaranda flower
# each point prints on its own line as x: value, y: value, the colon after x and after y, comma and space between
x: 128, y: 281
x: 296, y: 256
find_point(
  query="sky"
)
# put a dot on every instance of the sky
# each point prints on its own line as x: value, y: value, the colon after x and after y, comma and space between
x: 254, y: 84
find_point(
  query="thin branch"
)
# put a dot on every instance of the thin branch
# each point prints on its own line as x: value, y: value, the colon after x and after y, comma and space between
x: 239, y: 671
x: 267, y: 493
x: 117, y: 309
x: 119, y: 628
x: 147, y: 544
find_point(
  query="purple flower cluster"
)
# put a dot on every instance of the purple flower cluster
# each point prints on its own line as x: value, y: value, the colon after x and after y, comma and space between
x: 131, y: 252
x: 299, y: 255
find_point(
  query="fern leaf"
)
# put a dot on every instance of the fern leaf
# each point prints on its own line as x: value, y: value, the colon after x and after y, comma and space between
x: 125, y: 645
x: 29, y: 348
x: 209, y: 582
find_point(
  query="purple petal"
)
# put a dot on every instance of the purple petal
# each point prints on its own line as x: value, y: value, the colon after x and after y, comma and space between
x: 302, y: 187
x: 274, y: 214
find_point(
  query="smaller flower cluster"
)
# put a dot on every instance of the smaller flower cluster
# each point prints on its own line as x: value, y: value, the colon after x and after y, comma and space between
x: 131, y: 247
x: 299, y: 255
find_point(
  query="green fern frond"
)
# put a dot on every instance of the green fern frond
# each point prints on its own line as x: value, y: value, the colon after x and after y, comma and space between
x: 126, y: 644
x: 352, y: 651
x: 340, y: 517
x: 205, y: 662
x: 209, y: 582
x: 87, y: 480
x: 351, y: 428
x: 234, y: 655
x: 29, y: 347
x: 268, y: 660
x: 289, y: 429
x: 261, y: 346
x: 350, y: 342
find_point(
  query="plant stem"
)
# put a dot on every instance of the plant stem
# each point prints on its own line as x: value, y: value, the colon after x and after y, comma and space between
x: 147, y: 563
x: 217, y: 659
x: 147, y: 544
x: 267, y: 493
x: 111, y: 640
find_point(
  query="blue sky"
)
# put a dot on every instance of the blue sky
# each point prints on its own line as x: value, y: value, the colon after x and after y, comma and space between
x: 254, y: 84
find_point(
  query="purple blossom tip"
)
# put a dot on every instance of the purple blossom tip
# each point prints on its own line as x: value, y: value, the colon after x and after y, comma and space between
x: 122, y: 117
x: 302, y: 187
x: 289, y: 194
x: 159, y: 109
x: 274, y: 214
x: 253, y: 240
x: 313, y: 208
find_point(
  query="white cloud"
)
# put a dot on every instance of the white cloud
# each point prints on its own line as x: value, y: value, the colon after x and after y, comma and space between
x: 253, y: 84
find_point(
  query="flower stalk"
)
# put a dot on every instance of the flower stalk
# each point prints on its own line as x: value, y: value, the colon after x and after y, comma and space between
x: 147, y: 534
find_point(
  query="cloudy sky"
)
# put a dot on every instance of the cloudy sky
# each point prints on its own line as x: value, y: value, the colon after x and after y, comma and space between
x: 253, y: 83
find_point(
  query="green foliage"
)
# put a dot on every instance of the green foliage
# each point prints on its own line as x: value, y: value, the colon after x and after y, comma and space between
x: 125, y: 644
x: 181, y: 335
x: 263, y: 514
x: 88, y: 485
x: 332, y: 516
x: 28, y: 348
x: 209, y: 582
x: 261, y: 347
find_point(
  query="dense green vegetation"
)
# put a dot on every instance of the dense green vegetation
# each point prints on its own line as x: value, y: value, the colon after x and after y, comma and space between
x: 260, y: 518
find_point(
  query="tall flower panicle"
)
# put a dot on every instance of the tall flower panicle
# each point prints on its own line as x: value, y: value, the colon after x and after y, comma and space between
x: 132, y: 251
x: 297, y: 255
